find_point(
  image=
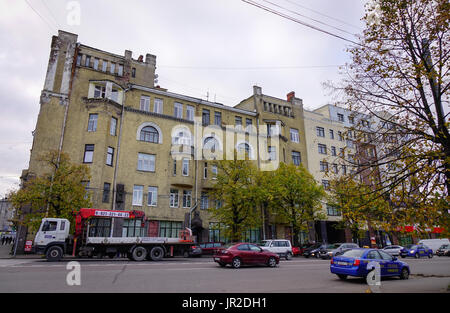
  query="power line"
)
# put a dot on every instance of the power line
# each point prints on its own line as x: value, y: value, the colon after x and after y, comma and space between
x: 317, y: 12
x: 51, y: 14
x: 41, y: 17
x: 317, y: 21
x: 297, y: 21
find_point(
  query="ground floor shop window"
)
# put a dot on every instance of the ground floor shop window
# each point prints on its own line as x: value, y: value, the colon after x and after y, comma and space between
x: 169, y: 229
x: 133, y: 228
x: 252, y: 235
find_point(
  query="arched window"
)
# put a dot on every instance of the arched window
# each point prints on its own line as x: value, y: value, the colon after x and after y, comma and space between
x: 244, y: 147
x: 181, y: 137
x: 149, y: 134
x: 211, y: 143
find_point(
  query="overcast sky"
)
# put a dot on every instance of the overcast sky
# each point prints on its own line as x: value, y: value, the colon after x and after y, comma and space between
x: 219, y: 48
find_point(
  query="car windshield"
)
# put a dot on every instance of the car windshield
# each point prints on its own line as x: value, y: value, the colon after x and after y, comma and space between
x: 413, y: 247
x: 356, y: 253
x: 332, y: 246
x: 409, y: 246
x: 444, y: 247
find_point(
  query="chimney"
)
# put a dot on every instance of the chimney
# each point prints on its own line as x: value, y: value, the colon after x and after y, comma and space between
x: 290, y: 96
x: 257, y: 90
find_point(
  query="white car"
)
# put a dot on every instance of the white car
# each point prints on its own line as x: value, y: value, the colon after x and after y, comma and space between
x: 393, y: 250
x: 282, y: 247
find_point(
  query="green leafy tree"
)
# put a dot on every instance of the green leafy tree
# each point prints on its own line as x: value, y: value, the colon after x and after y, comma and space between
x: 295, y: 197
x: 235, y: 188
x: 55, y: 194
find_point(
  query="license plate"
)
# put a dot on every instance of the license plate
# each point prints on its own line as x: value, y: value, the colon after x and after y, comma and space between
x: 342, y: 263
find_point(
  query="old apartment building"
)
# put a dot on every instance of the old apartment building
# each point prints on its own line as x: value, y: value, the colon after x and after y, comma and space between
x: 146, y: 146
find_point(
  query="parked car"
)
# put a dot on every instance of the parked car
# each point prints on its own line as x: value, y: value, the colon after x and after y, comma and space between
x: 313, y: 251
x: 354, y: 263
x: 393, y: 250
x: 443, y: 250
x: 282, y: 247
x: 194, y: 251
x: 209, y: 248
x: 296, y: 251
x: 433, y: 244
x: 336, y: 249
x: 245, y: 254
x: 416, y: 251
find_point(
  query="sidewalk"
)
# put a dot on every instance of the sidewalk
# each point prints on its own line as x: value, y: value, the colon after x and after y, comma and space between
x: 6, y: 249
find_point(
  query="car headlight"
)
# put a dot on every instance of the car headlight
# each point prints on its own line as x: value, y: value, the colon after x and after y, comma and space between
x: 330, y: 253
x: 412, y: 251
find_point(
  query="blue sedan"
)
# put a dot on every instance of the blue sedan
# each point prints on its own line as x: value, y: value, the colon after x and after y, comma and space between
x: 416, y: 251
x: 354, y: 263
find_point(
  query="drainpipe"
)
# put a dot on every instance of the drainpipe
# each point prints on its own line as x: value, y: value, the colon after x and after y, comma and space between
x: 117, y: 157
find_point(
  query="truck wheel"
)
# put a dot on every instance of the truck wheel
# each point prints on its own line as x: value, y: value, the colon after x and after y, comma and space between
x: 288, y: 255
x: 139, y: 254
x: 157, y: 253
x: 54, y: 254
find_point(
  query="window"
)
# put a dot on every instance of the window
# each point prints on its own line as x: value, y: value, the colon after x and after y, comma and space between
x: 331, y: 134
x: 146, y: 162
x: 341, y: 138
x: 173, y: 198
x: 149, y: 134
x: 92, y: 123
x: 49, y: 226
x: 185, y: 168
x: 351, y: 119
x: 87, y: 61
x: 99, y: 91
x: 115, y: 95
x: 296, y: 159
x: 248, y: 123
x: 294, y: 135
x: 104, y: 65
x: 189, y: 112
x: 211, y: 143
x: 214, y: 171
x: 323, y: 166
x: 272, y: 153
x: 133, y: 72
x: 96, y: 64
x: 272, y: 130
x: 335, y: 169
x: 326, y: 184
x: 204, y: 201
x: 109, y: 156
x: 218, y: 118
x: 322, y: 148
x: 79, y: 56
x: 187, y: 198
x: 320, y: 131
x: 145, y: 103
x: 205, y: 171
x: 169, y: 229
x: 120, y: 70
x: 373, y: 255
x: 158, y: 106
x: 174, y: 167
x: 88, y: 153
x: 178, y: 110
x: 238, y: 122
x: 344, y: 169
x: 340, y: 117
x: 132, y: 228
x: 182, y: 138
x: 137, y: 195
x: 113, y: 126
x: 112, y: 69
x: 205, y: 117
x: 152, y: 197
x: 333, y: 151
x: 243, y: 149
x: 106, y: 191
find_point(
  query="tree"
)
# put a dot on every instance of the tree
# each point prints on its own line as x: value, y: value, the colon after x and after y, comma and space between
x: 399, y: 75
x: 55, y: 194
x: 296, y: 197
x: 237, y: 192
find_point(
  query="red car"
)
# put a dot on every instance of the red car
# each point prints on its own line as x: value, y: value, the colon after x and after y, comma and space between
x: 245, y: 254
x: 296, y: 251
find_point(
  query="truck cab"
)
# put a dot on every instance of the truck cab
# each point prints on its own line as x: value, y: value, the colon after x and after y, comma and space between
x: 51, y: 237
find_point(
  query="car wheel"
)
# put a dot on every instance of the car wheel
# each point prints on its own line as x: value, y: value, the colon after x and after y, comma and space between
x: 417, y: 255
x: 272, y: 262
x: 236, y: 263
x: 54, y: 254
x: 317, y: 255
x: 185, y: 254
x: 404, y: 274
x: 430, y: 255
x: 342, y: 276
x: 288, y: 256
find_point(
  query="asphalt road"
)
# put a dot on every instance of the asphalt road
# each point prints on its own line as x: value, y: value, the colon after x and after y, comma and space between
x: 200, y: 275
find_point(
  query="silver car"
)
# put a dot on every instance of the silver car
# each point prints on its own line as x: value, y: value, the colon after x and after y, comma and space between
x: 393, y: 250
